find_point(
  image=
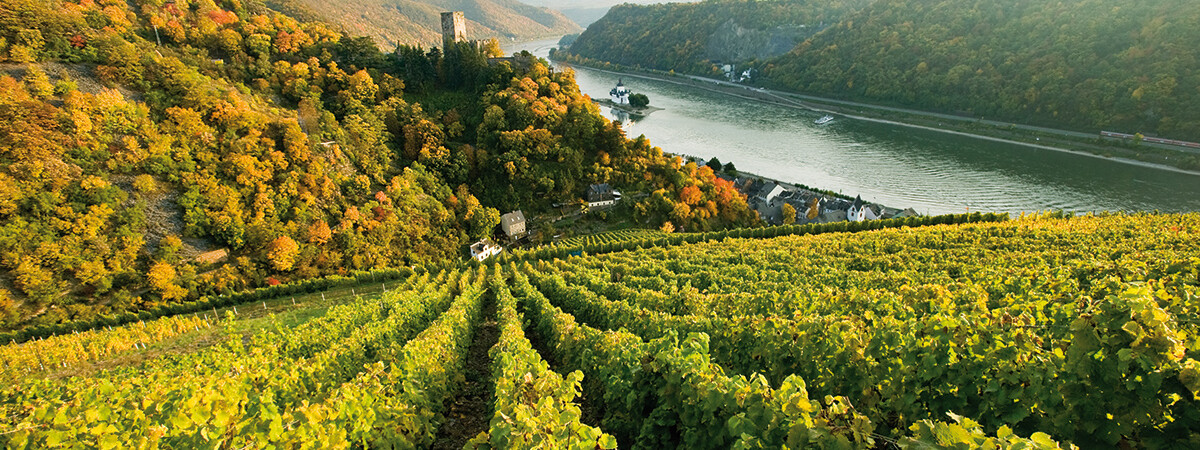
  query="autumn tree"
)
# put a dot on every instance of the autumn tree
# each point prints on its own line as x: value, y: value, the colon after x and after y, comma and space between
x: 789, y: 214
x: 37, y: 82
x: 162, y: 278
x: 282, y: 253
x: 319, y: 232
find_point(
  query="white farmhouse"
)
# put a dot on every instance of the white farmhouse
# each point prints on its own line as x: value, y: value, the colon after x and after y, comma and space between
x: 484, y: 249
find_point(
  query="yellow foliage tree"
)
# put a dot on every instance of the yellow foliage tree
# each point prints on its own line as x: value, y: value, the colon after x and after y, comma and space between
x: 319, y: 232
x: 283, y: 252
x: 162, y: 279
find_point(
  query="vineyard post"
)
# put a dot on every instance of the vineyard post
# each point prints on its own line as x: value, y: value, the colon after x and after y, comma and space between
x: 322, y: 297
x: 264, y: 305
x: 235, y: 310
x: 352, y: 292
x: 293, y: 301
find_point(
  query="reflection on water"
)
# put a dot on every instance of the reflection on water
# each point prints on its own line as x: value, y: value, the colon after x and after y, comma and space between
x: 623, y: 116
x: 896, y: 166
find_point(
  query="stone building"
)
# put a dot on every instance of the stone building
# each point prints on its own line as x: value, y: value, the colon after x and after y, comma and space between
x: 454, y: 28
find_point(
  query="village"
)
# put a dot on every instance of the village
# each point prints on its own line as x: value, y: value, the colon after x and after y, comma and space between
x: 776, y: 203
x: 779, y: 203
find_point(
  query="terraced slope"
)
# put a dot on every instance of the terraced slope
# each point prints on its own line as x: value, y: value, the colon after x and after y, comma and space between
x: 1033, y: 333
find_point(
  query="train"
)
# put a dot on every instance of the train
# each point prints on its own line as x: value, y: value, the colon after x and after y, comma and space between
x: 1110, y: 134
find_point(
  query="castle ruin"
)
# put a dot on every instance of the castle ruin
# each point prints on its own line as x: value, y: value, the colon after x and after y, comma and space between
x: 454, y: 28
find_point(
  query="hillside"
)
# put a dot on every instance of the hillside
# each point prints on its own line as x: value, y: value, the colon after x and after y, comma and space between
x: 250, y: 149
x: 1042, y: 332
x: 1085, y: 65
x: 690, y: 37
x: 411, y: 22
x: 1088, y: 65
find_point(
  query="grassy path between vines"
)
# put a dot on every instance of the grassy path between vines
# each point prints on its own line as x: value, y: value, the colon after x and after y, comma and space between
x: 590, y: 414
x: 471, y: 410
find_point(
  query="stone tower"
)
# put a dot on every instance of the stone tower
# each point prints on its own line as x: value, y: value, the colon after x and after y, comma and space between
x: 454, y: 28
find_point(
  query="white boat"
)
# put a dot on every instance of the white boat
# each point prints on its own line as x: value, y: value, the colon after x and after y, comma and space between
x: 824, y: 120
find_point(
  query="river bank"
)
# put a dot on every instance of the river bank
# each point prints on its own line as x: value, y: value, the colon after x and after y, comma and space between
x: 1182, y: 161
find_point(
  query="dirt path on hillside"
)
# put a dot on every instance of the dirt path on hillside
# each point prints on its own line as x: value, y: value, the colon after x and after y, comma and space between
x: 470, y: 412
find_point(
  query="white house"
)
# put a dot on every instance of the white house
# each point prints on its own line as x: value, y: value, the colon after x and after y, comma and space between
x: 484, y: 249
x: 770, y: 191
x: 620, y: 94
x: 859, y: 211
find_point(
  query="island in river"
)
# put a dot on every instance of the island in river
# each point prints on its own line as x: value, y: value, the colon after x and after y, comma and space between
x: 628, y: 109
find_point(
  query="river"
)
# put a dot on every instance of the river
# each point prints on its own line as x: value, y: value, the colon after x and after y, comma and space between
x: 893, y: 165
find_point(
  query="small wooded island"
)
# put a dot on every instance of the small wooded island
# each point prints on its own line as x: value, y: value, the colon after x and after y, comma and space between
x: 623, y: 99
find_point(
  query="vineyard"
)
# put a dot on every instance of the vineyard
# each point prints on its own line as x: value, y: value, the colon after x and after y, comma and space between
x: 609, y: 237
x: 1040, y: 332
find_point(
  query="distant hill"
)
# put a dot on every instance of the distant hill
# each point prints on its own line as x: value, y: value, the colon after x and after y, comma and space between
x: 586, y: 12
x: 690, y: 37
x: 419, y: 21
x: 1125, y: 65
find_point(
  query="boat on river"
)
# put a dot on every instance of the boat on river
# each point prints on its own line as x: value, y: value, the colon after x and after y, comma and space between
x: 824, y: 120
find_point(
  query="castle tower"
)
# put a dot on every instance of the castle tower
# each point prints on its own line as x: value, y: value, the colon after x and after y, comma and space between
x: 454, y: 28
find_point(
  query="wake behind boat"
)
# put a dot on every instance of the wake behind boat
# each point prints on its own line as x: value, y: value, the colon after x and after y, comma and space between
x: 824, y: 120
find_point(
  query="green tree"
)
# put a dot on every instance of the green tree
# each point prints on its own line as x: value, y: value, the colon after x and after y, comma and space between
x: 639, y: 100
x: 714, y: 164
x: 483, y: 221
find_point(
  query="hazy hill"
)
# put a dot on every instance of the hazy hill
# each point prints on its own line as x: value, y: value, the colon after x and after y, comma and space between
x: 419, y: 21
x: 1124, y: 65
x: 687, y: 37
x: 586, y: 12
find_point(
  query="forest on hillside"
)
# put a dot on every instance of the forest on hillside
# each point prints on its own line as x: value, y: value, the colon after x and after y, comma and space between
x: 683, y: 36
x: 1090, y: 65
x: 1123, y: 65
x: 298, y: 151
